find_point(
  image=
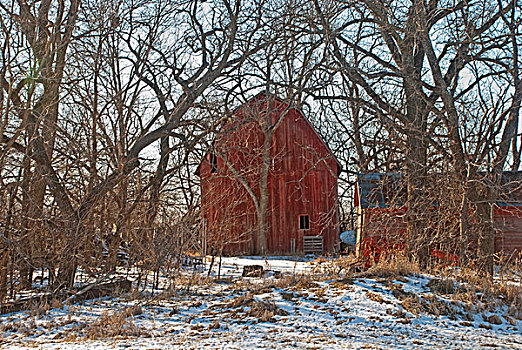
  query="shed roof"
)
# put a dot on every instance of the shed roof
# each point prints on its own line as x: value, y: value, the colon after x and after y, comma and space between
x: 384, y: 190
x: 378, y: 190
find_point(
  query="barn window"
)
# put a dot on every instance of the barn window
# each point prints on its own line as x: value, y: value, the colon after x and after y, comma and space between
x: 213, y: 163
x: 304, y: 222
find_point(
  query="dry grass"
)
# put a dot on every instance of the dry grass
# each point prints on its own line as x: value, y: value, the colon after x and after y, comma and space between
x: 375, y: 297
x: 442, y: 285
x: 510, y: 268
x: 306, y: 283
x: 244, y: 300
x: 118, y: 324
x: 334, y: 268
x: 487, y: 294
x: 25, y: 328
x: 345, y: 283
x: 512, y: 296
x: 475, y: 279
x: 265, y: 311
x: 412, y: 305
x: 429, y: 305
x: 468, y: 293
x: 393, y: 266
x: 398, y: 291
x: 289, y: 296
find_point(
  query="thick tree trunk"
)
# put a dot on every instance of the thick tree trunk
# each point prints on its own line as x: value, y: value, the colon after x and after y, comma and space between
x: 6, y: 250
x: 486, y: 232
x: 456, y: 145
x: 34, y: 184
x: 486, y: 243
x: 262, y: 210
x: 157, y: 181
x: 4, y: 271
x: 464, y: 223
x: 418, y: 237
x: 262, y: 227
x: 27, y: 226
x: 115, y: 237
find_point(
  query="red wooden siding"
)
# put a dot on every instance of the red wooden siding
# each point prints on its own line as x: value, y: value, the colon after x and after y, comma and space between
x: 302, y: 181
x: 508, y: 222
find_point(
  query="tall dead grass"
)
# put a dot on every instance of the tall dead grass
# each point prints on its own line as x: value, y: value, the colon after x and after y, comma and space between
x: 393, y: 266
x: 118, y: 324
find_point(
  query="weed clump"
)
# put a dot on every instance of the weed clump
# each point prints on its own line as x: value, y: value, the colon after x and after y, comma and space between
x: 393, y: 266
x: 265, y: 311
x: 442, y: 285
x: 114, y: 325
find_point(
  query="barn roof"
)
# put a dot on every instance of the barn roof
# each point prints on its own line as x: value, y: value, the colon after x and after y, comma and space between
x: 264, y: 95
x: 384, y: 190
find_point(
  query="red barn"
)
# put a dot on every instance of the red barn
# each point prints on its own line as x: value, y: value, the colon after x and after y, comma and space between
x: 300, y: 185
x: 380, y: 198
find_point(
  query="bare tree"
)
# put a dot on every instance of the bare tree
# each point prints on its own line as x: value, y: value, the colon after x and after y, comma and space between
x: 409, y: 64
x: 148, y: 65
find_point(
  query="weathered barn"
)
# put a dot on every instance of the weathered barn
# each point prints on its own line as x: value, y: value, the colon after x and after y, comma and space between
x: 302, y: 209
x: 380, y: 203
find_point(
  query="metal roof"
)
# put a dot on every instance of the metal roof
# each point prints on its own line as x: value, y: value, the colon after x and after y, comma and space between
x: 374, y: 189
x: 383, y: 190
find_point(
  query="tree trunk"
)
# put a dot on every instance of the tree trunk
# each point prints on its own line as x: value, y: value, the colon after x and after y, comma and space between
x: 262, y: 211
x: 4, y: 271
x: 486, y: 243
x: 264, y: 196
x: 418, y: 239
x: 486, y: 231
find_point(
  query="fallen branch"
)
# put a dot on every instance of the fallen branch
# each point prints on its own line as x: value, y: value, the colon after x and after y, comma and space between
x: 91, y: 291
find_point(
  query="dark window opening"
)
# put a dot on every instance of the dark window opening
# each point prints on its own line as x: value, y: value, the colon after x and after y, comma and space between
x: 213, y: 163
x: 304, y: 222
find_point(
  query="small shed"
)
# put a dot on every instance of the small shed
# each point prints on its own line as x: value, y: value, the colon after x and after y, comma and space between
x: 380, y: 201
x: 302, y: 183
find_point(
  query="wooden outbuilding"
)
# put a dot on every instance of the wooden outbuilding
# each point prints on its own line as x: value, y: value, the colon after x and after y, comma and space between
x: 380, y: 201
x: 301, y: 183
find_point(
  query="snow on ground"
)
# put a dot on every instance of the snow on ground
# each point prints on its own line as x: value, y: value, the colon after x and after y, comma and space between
x: 293, y: 312
x: 233, y: 266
